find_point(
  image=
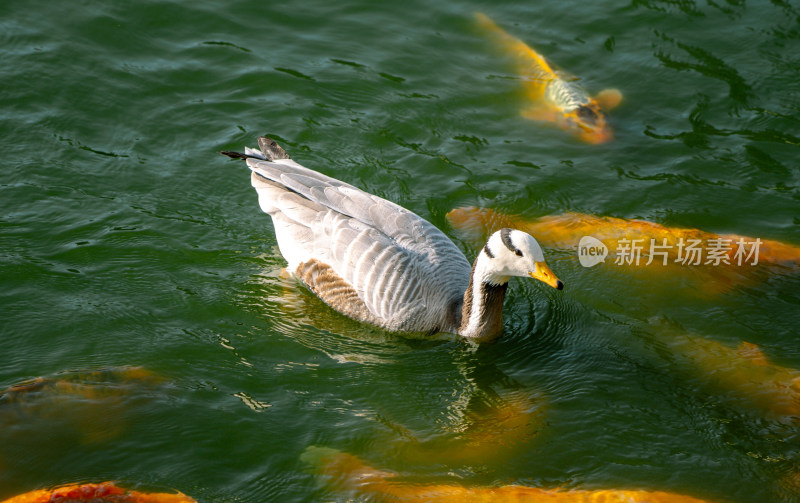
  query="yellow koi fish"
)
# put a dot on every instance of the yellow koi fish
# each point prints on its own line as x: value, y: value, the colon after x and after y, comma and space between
x: 106, y: 492
x: 566, y: 230
x: 743, y: 374
x: 506, y: 425
x: 675, y: 257
x: 345, y: 472
x: 556, y: 100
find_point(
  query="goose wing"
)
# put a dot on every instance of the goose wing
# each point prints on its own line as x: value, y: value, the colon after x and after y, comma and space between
x: 406, y: 272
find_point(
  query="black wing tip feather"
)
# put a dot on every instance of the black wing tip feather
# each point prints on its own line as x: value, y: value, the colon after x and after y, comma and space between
x: 235, y: 155
x: 272, y: 151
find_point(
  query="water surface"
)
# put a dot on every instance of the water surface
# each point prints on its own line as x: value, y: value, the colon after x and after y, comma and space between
x: 127, y: 241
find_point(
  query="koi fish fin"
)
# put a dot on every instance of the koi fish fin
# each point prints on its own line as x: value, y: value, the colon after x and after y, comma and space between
x: 752, y: 352
x: 608, y: 98
x: 540, y: 113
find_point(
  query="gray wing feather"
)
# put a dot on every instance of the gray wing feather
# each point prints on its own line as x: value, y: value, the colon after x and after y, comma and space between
x: 405, y: 270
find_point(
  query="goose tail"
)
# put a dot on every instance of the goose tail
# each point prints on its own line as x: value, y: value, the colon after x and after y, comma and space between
x: 270, y: 151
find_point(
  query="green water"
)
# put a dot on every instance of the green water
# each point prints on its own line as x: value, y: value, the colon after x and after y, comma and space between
x: 126, y: 240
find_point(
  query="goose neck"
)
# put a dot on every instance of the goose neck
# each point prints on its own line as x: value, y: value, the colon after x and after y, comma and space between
x: 482, y: 312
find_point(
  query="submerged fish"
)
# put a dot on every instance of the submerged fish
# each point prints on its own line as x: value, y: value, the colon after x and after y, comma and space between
x: 108, y: 382
x: 107, y: 492
x: 742, y: 375
x: 673, y: 244
x: 702, y: 264
x: 91, y: 404
x: 556, y: 99
x: 345, y: 472
x: 494, y: 430
x: 744, y: 372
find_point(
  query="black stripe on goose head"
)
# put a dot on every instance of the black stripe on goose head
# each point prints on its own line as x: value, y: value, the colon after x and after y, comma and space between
x: 505, y: 235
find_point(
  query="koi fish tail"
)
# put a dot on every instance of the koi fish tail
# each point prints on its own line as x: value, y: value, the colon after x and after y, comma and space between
x: 530, y: 62
x: 485, y: 23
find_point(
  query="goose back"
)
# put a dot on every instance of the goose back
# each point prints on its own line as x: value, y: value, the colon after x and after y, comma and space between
x: 367, y: 257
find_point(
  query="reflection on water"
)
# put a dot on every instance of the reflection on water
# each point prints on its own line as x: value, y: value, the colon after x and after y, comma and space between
x: 298, y: 314
x: 709, y: 65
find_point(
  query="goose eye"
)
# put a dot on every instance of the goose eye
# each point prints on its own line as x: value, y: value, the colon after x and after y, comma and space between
x: 519, y: 253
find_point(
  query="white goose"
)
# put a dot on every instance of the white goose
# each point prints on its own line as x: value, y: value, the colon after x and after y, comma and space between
x: 377, y: 262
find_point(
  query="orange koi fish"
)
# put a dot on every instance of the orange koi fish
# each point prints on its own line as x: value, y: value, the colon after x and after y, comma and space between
x: 107, y: 492
x: 345, y: 472
x: 556, y: 100
x: 91, y: 403
x: 507, y: 424
x: 710, y: 264
x: 743, y: 374
x: 672, y: 243
x: 91, y: 385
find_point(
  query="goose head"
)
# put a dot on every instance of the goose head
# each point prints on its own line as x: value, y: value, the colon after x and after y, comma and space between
x: 511, y: 252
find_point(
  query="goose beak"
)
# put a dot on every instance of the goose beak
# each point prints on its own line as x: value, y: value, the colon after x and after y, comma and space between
x: 544, y: 274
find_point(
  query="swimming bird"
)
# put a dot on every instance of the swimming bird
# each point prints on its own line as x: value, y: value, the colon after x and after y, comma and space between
x: 555, y: 99
x: 379, y: 263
